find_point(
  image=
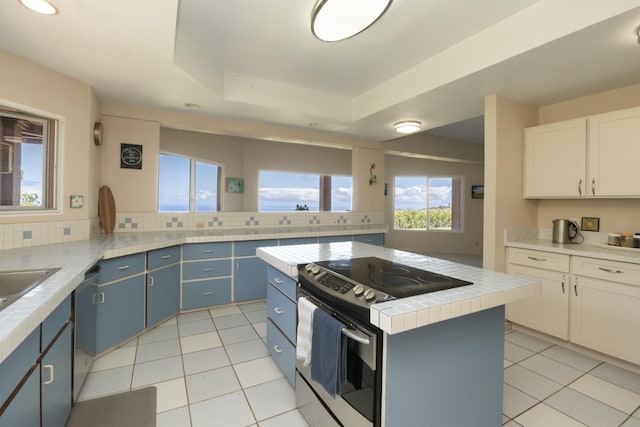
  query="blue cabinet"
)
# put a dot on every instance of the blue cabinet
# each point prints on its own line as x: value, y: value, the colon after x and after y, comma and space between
x: 24, y: 409
x: 371, y: 239
x: 56, y: 376
x: 118, y: 268
x: 120, y: 312
x: 163, y: 257
x: 249, y: 281
x: 206, y: 269
x: 298, y: 241
x: 194, y: 251
x: 206, y: 274
x: 205, y: 293
x: 163, y: 294
x: 333, y: 239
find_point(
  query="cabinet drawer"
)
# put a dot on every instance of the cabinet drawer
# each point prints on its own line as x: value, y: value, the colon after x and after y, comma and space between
x: 538, y: 259
x: 333, y: 239
x: 206, y: 269
x: 248, y: 248
x: 608, y: 270
x: 298, y: 241
x: 162, y: 257
x: 117, y: 268
x: 282, y: 311
x: 55, y: 321
x: 282, y: 351
x: 206, y: 250
x: 372, y: 239
x: 206, y: 293
x: 280, y: 280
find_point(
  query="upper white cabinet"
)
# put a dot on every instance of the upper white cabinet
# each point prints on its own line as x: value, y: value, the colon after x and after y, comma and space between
x: 586, y: 157
x: 556, y: 160
x: 614, y: 144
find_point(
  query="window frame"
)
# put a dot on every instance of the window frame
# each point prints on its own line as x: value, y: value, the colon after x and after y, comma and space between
x: 427, y: 179
x: 192, y: 183
x: 53, y: 131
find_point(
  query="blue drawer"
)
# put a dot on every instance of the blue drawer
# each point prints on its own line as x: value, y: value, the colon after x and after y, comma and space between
x: 282, y: 311
x: 206, y: 250
x: 117, y: 268
x: 280, y: 280
x: 16, y: 366
x: 248, y: 248
x: 163, y: 257
x: 206, y: 293
x: 298, y: 241
x: 372, y: 239
x: 282, y: 351
x: 206, y: 269
x: 55, y: 321
x: 332, y: 239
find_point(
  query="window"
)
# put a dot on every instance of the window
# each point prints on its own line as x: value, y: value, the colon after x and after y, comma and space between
x: 285, y: 191
x: 27, y: 161
x: 427, y: 203
x: 187, y: 185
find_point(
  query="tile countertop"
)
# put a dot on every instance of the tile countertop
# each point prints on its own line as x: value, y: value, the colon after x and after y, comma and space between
x: 490, y: 289
x: 594, y: 245
x: 19, y: 319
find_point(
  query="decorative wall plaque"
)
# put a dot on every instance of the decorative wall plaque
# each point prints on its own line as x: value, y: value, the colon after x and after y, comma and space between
x: 130, y: 156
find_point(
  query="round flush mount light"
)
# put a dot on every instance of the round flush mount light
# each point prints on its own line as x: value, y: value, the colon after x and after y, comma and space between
x: 40, y: 6
x: 407, y: 126
x: 335, y: 20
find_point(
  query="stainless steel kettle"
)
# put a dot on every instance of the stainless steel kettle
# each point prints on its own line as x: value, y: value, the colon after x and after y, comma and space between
x: 564, y: 230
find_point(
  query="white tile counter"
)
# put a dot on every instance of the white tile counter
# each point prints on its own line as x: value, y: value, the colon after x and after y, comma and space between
x: 490, y: 289
x: 75, y: 258
x: 594, y: 245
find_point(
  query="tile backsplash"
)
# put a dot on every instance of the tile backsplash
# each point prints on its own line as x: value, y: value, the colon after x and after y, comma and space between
x: 51, y: 232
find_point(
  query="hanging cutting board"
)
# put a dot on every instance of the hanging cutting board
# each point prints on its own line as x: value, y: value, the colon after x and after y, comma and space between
x: 107, y: 209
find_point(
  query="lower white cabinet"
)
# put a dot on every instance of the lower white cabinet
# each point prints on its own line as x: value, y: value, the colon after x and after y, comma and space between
x: 594, y: 303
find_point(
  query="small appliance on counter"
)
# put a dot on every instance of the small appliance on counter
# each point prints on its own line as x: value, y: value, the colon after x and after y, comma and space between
x: 565, y: 231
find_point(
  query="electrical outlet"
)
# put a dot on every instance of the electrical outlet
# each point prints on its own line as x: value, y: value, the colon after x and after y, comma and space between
x: 334, y: 221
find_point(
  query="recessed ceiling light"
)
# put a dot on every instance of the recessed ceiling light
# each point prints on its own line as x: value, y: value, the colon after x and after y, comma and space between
x: 407, y: 126
x: 41, y: 6
x: 334, y: 20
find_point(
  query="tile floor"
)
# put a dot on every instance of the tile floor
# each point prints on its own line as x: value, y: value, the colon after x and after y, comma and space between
x: 212, y: 368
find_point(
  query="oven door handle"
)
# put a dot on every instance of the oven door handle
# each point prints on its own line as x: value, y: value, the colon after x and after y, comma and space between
x: 355, y: 335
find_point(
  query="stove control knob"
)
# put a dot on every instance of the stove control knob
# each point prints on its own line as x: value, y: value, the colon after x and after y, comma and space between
x: 358, y: 290
x: 369, y: 294
x: 315, y: 270
x: 308, y: 267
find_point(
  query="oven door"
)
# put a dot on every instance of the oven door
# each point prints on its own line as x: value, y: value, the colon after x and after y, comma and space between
x: 358, y: 404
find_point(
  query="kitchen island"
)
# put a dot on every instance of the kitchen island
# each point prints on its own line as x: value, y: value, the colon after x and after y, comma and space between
x: 442, y: 353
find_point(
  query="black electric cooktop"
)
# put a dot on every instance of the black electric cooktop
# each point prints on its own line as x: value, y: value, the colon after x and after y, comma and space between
x: 392, y: 278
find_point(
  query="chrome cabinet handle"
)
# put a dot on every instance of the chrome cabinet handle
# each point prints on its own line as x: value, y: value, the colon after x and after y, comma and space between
x: 51, y: 374
x: 580, y: 187
x: 536, y: 259
x: 166, y: 256
x: 278, y: 310
x: 277, y: 349
x: 123, y: 267
x: 593, y: 187
x: 150, y: 281
x: 277, y: 280
x: 610, y: 271
x: 575, y: 286
x: 237, y: 265
x: 208, y: 251
x: 95, y: 299
x: 208, y: 293
x: 207, y: 269
x: 562, y: 283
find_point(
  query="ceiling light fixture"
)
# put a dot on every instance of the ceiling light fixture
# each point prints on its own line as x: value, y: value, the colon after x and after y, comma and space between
x: 41, y: 6
x: 407, y: 127
x: 335, y: 20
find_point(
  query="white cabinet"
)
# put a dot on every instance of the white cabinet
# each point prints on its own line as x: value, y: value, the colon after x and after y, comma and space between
x: 605, y: 297
x: 586, y: 157
x: 614, y: 145
x: 555, y: 160
x: 547, y: 312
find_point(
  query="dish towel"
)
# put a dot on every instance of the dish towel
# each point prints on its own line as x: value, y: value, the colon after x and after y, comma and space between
x: 305, y: 321
x: 328, y: 352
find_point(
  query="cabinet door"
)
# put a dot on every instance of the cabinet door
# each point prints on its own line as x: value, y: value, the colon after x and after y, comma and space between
x: 163, y: 294
x: 56, y: 381
x: 547, y: 312
x: 250, y: 279
x: 555, y: 160
x: 372, y: 239
x: 605, y: 317
x: 24, y: 409
x: 120, y: 312
x: 613, y: 149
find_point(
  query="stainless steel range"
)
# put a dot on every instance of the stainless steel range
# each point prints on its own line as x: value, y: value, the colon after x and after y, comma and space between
x: 346, y: 289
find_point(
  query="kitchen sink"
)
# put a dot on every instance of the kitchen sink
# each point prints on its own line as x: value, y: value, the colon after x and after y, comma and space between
x: 14, y: 284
